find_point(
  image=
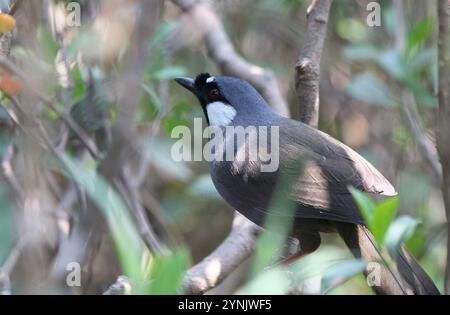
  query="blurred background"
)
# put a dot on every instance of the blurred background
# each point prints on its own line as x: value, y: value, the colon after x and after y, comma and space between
x: 87, y: 108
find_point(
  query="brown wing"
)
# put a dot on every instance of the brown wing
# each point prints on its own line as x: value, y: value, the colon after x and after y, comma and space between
x: 321, y: 169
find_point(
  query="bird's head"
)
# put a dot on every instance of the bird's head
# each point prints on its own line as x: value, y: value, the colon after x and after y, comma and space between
x: 225, y: 100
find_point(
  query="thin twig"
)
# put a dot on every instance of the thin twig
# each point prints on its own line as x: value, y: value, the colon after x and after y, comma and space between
x: 221, y: 50
x: 9, y: 264
x: 11, y: 115
x: 9, y: 175
x: 415, y: 125
x: 129, y: 191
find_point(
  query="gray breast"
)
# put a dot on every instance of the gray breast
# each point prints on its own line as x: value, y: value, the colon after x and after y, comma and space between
x: 244, y: 191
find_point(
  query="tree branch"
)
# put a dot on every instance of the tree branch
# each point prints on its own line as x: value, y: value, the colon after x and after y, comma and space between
x: 307, y: 69
x: 443, y: 130
x: 225, y: 56
x: 9, y: 264
x: 213, y: 269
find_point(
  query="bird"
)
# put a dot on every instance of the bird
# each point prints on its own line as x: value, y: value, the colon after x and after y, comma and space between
x: 317, y: 171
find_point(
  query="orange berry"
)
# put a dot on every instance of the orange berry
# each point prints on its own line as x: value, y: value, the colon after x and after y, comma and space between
x: 7, y: 23
x: 10, y: 85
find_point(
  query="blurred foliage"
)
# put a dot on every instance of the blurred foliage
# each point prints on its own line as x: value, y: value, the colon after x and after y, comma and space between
x: 6, y: 229
x: 410, y: 68
x: 361, y: 67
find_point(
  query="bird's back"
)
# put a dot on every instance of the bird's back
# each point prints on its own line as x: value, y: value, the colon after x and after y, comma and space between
x: 317, y: 168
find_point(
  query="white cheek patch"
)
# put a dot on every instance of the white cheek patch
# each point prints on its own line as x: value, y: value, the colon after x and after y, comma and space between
x: 220, y: 114
x: 210, y: 79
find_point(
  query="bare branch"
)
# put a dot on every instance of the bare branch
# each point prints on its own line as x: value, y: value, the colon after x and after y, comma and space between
x: 443, y: 129
x: 8, y: 173
x: 9, y: 264
x: 237, y: 247
x: 225, y: 56
x: 307, y: 69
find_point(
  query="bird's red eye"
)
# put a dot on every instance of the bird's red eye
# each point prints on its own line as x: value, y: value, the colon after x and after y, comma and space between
x: 214, y: 93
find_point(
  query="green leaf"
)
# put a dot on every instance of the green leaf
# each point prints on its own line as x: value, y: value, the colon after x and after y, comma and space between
x: 368, y: 88
x: 47, y: 43
x: 384, y: 213
x: 178, y: 115
x: 419, y: 34
x: 168, y: 73
x: 79, y: 86
x: 377, y: 217
x: 364, y: 203
x: 399, y: 231
x: 167, y: 272
x: 128, y: 243
x: 341, y: 273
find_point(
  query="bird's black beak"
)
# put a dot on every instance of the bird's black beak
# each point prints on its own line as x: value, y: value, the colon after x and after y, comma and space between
x: 187, y: 83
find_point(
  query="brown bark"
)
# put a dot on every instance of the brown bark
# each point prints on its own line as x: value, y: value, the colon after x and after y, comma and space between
x: 443, y: 130
x: 307, y: 69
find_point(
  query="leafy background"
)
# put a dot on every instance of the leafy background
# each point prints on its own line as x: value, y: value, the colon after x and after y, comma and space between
x: 365, y: 76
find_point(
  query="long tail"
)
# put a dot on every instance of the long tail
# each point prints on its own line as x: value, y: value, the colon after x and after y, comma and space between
x: 407, y: 277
